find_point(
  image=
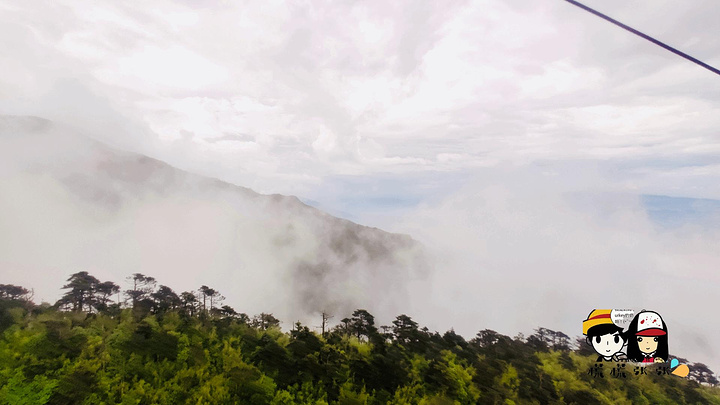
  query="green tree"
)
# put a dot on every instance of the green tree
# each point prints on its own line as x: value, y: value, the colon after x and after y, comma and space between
x: 362, y: 323
x: 14, y: 293
x: 702, y: 374
x: 142, y: 288
x: 103, y: 293
x: 205, y: 293
x: 80, y: 296
x: 264, y: 321
x: 189, y: 303
x: 405, y: 330
x: 165, y: 299
x: 18, y: 390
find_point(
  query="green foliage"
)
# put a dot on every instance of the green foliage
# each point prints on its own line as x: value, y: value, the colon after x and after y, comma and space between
x: 184, y: 350
x: 19, y: 390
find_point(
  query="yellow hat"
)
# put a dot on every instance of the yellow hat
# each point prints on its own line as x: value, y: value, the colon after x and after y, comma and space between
x: 597, y: 317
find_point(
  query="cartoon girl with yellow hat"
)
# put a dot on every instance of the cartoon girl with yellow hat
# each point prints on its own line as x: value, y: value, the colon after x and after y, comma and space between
x: 604, y: 336
x: 647, y: 338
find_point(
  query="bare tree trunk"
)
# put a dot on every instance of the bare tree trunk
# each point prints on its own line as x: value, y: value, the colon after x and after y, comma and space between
x: 325, y: 317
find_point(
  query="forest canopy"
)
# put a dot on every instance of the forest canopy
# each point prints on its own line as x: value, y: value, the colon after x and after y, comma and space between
x: 149, y: 345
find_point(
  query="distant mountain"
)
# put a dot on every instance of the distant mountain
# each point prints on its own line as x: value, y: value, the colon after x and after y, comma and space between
x: 71, y: 203
x: 666, y: 212
x: 678, y: 211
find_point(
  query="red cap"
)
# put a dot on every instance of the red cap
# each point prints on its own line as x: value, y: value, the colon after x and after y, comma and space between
x: 651, y: 332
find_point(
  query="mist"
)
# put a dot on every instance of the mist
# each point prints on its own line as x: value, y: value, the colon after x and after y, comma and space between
x: 73, y: 204
x: 536, y: 246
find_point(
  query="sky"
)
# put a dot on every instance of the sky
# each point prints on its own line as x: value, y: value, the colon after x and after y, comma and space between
x: 511, y: 134
x: 363, y: 104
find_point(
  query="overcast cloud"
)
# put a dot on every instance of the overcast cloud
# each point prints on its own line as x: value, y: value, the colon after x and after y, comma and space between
x: 405, y: 115
x: 281, y: 97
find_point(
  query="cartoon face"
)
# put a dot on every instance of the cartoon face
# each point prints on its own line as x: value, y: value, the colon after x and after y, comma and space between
x: 647, y: 344
x: 609, y: 344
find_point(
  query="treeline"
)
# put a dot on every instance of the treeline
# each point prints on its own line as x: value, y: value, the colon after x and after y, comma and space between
x: 86, y: 293
x: 149, y: 345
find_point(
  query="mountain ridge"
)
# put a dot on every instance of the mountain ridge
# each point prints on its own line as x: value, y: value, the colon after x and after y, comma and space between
x: 153, y: 214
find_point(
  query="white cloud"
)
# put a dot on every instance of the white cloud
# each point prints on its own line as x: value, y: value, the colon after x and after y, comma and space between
x: 175, y: 67
x: 497, y: 79
x: 516, y: 249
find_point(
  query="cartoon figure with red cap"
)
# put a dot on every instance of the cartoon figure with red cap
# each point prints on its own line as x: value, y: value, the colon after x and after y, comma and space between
x: 604, y: 336
x: 647, y: 338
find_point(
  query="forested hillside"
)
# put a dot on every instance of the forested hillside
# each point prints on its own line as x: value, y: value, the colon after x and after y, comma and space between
x: 149, y: 345
x: 129, y: 211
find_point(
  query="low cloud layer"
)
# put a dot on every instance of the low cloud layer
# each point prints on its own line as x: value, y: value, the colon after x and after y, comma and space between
x: 71, y: 204
x: 516, y: 250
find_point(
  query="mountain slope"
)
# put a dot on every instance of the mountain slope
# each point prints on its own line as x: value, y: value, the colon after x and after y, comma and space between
x: 70, y: 203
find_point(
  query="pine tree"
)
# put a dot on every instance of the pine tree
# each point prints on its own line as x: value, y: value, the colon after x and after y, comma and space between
x: 81, y: 294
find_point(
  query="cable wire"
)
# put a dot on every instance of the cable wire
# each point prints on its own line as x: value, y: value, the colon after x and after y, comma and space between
x: 649, y: 38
